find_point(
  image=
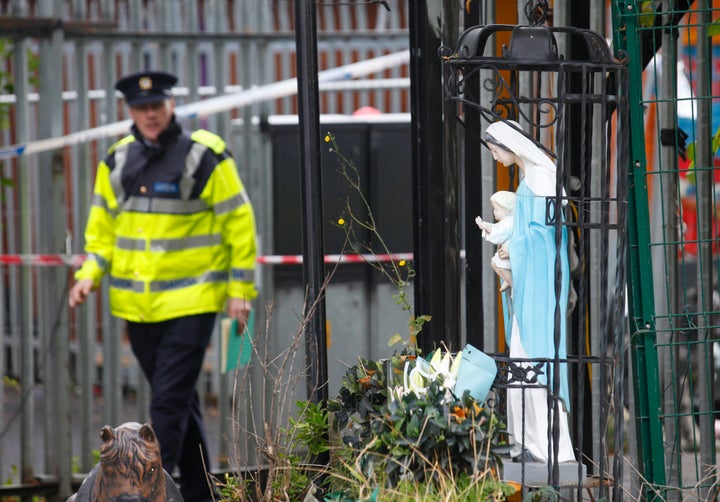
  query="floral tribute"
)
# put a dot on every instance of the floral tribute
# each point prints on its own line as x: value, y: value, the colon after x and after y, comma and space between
x: 401, y: 415
x: 402, y: 421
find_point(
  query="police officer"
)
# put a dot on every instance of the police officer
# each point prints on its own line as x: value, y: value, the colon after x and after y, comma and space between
x: 172, y: 226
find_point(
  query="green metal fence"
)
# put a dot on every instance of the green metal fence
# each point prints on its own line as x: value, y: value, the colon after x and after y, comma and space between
x: 674, y: 304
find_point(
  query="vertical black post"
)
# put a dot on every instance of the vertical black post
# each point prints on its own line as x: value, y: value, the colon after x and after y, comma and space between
x: 310, y: 174
x: 576, y: 133
x: 473, y: 185
x: 435, y: 206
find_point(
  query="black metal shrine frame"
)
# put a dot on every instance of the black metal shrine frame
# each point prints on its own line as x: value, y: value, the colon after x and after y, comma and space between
x: 532, y: 49
x: 578, y: 99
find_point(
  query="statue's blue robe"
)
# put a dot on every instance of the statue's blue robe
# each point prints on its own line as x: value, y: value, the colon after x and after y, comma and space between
x: 532, y: 260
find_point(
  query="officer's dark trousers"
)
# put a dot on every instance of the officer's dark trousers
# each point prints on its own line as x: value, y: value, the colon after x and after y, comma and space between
x: 171, y: 354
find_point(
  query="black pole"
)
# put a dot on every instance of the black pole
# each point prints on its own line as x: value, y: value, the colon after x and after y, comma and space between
x: 575, y: 161
x: 310, y: 174
x: 475, y: 267
x: 435, y: 204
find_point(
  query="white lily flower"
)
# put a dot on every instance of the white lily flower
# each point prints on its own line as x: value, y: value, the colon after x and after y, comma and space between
x: 449, y: 382
x: 425, y: 369
x: 443, y: 366
x: 417, y: 382
x: 418, y: 378
x: 396, y: 393
x: 447, y: 367
x: 413, y: 380
x: 455, y: 367
x: 451, y: 377
x: 435, y: 359
x: 406, y: 370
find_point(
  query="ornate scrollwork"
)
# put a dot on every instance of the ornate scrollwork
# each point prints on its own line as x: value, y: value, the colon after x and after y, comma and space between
x: 537, y: 12
x: 514, y: 371
x: 524, y: 373
x: 463, y: 83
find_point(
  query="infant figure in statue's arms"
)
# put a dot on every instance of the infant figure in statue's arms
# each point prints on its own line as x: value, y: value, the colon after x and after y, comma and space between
x: 503, y: 205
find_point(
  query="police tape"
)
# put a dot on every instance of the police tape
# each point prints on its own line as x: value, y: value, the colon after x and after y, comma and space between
x: 214, y: 105
x: 337, y: 258
x: 76, y: 260
x: 42, y: 260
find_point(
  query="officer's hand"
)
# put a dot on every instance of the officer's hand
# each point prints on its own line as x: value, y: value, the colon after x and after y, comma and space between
x: 239, y: 309
x: 80, y: 291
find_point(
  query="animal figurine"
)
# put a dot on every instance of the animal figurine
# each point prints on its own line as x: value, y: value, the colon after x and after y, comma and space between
x: 130, y: 469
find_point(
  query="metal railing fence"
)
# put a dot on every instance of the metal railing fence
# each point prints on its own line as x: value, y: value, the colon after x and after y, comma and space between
x: 68, y: 373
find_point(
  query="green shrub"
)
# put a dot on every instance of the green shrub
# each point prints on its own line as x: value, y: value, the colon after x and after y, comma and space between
x: 409, y: 434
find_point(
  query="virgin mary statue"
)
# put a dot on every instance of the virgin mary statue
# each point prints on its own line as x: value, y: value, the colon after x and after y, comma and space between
x: 530, y: 303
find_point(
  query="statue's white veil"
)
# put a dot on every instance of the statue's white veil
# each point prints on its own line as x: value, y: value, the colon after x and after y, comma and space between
x: 540, y: 171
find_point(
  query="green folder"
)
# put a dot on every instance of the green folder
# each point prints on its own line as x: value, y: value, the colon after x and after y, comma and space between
x: 236, y: 348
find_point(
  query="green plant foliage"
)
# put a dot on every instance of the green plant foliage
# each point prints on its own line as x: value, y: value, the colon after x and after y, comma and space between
x: 465, y: 488
x: 292, y: 481
x: 691, y: 154
x: 7, y: 86
x: 11, y: 383
x: 232, y: 488
x: 310, y: 429
x: 714, y: 28
x: 409, y: 436
x: 647, y: 14
x: 543, y: 494
x: 12, y: 476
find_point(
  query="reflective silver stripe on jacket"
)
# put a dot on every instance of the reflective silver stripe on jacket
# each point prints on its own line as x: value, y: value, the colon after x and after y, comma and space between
x: 99, y: 201
x: 127, y: 284
x: 116, y: 174
x: 160, y: 286
x: 182, y: 282
x: 102, y: 203
x: 160, y: 245
x: 192, y: 162
x: 167, y: 206
x: 102, y: 262
x: 242, y: 274
x: 232, y: 203
x: 185, y: 282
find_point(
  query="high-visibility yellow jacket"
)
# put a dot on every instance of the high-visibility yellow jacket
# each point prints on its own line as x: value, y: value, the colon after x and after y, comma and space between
x: 172, y: 225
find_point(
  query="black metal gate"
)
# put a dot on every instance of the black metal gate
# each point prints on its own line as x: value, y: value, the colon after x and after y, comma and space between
x: 574, y: 109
